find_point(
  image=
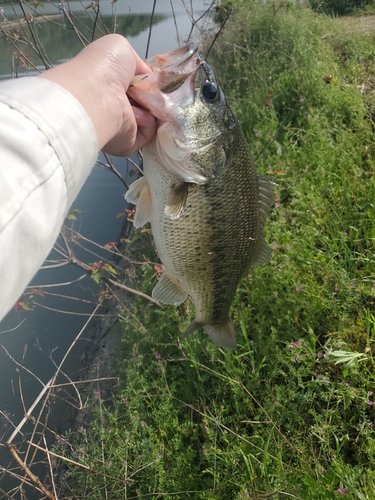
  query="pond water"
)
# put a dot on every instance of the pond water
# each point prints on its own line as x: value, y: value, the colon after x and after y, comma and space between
x: 31, y: 338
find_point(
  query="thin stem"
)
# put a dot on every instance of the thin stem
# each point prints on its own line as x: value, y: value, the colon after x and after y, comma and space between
x: 95, y: 22
x: 149, y: 33
x: 218, y: 33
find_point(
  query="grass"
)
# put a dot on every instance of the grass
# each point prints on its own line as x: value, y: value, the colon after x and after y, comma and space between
x: 290, y: 414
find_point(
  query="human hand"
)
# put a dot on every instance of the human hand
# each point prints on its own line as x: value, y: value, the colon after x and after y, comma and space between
x: 99, y: 77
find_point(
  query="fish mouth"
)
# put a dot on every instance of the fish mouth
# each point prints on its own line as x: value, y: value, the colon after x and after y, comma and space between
x: 172, y: 59
x: 170, y: 71
x: 173, y: 68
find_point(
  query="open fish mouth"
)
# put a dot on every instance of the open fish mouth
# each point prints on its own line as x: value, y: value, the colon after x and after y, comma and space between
x: 172, y: 59
x: 170, y: 71
x: 175, y: 67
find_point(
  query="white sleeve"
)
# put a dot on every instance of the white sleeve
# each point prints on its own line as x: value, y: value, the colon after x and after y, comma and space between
x: 48, y: 146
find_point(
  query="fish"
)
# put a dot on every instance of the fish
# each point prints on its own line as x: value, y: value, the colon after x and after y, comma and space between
x: 200, y: 191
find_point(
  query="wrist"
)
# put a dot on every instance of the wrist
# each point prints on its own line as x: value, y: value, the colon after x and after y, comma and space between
x: 88, y: 86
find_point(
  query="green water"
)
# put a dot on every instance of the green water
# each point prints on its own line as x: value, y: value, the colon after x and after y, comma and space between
x: 54, y: 40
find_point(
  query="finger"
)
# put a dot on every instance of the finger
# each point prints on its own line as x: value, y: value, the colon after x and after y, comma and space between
x: 144, y: 119
x: 133, y: 137
x: 146, y: 127
x: 141, y: 67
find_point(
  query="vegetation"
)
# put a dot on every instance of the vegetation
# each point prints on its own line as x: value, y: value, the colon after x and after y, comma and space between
x: 339, y: 7
x: 290, y: 414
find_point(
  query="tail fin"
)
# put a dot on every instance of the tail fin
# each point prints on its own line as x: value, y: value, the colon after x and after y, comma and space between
x: 221, y: 334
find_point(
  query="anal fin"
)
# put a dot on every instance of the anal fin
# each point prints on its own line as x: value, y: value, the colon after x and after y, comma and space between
x: 139, y: 194
x: 168, y: 292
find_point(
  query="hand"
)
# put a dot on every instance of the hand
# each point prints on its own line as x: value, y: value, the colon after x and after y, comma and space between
x: 99, y: 77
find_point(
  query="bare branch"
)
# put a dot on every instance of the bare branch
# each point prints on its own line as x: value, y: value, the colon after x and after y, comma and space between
x: 28, y: 414
x: 49, y: 465
x: 54, y: 266
x: 20, y: 365
x: 72, y: 313
x: 33, y: 478
x: 52, y: 285
x: 48, y: 452
x: 86, y: 381
x: 69, y: 297
x: 175, y: 23
x: 113, y: 169
x: 50, y: 382
x: 15, y: 328
x: 218, y: 33
x: 9, y: 420
x: 6, y: 494
x: 150, y: 29
x: 136, y: 164
x: 95, y: 22
x: 38, y: 46
x: 193, y: 21
x: 132, y: 290
x: 114, y: 251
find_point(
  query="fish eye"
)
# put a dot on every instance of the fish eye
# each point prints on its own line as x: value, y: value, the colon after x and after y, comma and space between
x: 209, y: 92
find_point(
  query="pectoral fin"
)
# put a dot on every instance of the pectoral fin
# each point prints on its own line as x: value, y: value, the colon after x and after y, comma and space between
x: 177, y: 201
x: 139, y: 194
x: 168, y: 292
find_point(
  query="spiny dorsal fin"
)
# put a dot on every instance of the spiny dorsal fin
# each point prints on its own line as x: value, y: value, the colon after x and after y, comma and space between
x: 266, y: 196
x: 139, y: 194
x: 168, y: 292
x: 177, y: 200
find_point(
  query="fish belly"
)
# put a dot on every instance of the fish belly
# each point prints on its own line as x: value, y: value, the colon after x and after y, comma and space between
x: 207, y: 250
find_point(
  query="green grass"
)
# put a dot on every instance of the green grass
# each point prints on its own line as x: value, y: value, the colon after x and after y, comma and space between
x: 290, y: 412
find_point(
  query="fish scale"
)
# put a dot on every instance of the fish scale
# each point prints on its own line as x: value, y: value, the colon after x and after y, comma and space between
x: 200, y: 191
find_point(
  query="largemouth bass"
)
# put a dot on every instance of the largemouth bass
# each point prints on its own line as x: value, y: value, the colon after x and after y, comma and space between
x: 200, y: 191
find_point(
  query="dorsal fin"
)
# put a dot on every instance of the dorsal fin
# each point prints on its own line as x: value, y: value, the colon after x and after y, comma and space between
x: 266, y: 197
x: 262, y: 253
